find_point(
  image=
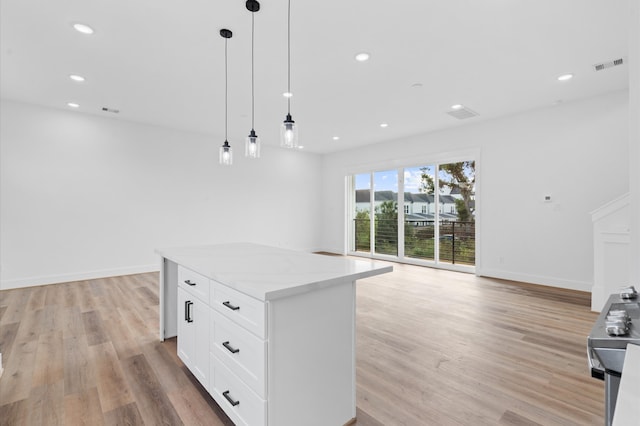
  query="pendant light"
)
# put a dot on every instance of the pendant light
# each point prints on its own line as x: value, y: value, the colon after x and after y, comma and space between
x: 289, y: 130
x: 226, y: 153
x: 252, y: 143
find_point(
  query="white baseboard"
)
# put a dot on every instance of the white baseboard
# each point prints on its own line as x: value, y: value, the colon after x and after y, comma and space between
x: 79, y: 276
x: 536, y: 279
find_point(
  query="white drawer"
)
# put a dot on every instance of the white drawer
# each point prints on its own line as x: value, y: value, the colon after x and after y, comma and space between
x: 240, y: 403
x: 239, y: 308
x: 194, y: 283
x: 242, y: 352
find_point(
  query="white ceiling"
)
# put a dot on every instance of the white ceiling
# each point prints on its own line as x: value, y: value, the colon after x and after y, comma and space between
x: 161, y: 62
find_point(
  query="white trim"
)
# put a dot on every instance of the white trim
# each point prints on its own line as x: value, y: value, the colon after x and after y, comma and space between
x: 611, y: 207
x: 536, y: 279
x: 79, y: 276
x: 463, y: 154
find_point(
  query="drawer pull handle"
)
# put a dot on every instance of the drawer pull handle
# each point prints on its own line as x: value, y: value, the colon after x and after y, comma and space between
x: 230, y: 306
x: 187, y: 311
x: 230, y: 348
x: 231, y: 401
x: 188, y: 282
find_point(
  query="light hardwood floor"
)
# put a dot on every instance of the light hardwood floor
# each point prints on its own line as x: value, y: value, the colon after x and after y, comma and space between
x: 433, y: 348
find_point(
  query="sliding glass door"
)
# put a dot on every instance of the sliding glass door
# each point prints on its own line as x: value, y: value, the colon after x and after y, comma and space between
x: 361, y: 222
x: 456, y: 223
x: 385, y: 186
x: 419, y: 212
x: 427, y: 217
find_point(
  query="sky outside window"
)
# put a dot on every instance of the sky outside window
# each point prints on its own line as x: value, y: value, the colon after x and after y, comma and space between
x: 386, y: 180
x: 413, y: 178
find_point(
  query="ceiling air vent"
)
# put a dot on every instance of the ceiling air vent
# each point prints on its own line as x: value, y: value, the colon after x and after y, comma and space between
x: 115, y: 111
x: 609, y: 64
x: 462, y: 113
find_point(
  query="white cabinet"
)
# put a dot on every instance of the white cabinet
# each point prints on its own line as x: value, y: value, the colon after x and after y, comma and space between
x: 243, y: 352
x: 194, y: 322
x: 241, y: 404
x: 270, y: 333
x: 238, y: 349
x: 288, y: 361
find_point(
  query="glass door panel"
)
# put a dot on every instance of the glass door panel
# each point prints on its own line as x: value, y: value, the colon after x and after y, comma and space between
x: 362, y: 214
x: 419, y: 208
x: 456, y: 207
x: 385, y: 185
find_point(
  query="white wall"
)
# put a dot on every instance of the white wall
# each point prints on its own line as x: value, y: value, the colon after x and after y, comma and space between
x: 84, y: 196
x: 577, y: 152
x: 634, y: 139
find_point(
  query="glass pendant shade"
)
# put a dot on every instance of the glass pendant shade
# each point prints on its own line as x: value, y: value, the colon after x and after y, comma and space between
x: 252, y: 145
x: 289, y: 133
x: 226, y: 154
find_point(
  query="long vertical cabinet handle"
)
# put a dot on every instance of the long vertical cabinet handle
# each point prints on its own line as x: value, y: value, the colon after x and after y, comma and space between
x: 187, y: 311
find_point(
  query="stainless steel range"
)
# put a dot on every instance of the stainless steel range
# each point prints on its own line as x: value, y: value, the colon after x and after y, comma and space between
x: 617, y: 326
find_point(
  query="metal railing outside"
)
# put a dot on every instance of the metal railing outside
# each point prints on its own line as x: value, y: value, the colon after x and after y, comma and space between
x: 457, y: 240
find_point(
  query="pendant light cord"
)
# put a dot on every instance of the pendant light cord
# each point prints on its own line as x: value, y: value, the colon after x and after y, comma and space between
x: 289, y: 58
x: 252, y: 78
x: 225, y: 89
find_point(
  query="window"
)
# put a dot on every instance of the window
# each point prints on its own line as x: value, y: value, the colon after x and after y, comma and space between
x: 385, y: 231
x: 361, y: 241
x: 443, y: 233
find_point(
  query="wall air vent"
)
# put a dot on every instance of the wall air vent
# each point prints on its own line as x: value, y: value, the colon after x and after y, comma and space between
x: 114, y: 111
x: 462, y: 113
x: 609, y: 64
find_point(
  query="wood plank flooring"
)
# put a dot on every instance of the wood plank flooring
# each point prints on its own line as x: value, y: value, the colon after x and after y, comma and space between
x: 433, y: 348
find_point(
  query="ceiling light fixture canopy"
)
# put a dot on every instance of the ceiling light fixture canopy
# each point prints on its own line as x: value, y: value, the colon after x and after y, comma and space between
x: 252, y: 143
x: 226, y: 153
x: 289, y: 129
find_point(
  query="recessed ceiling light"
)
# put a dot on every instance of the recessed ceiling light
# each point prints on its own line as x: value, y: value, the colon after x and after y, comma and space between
x: 565, y: 77
x: 457, y: 106
x: 73, y: 105
x: 362, y: 56
x: 77, y: 78
x: 287, y: 94
x: 383, y: 125
x: 82, y: 28
x: 335, y: 138
x: 300, y: 147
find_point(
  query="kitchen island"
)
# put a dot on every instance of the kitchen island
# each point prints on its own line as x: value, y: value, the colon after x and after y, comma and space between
x: 269, y: 332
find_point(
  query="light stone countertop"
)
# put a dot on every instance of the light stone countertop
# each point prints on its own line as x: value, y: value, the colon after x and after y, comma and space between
x: 268, y: 273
